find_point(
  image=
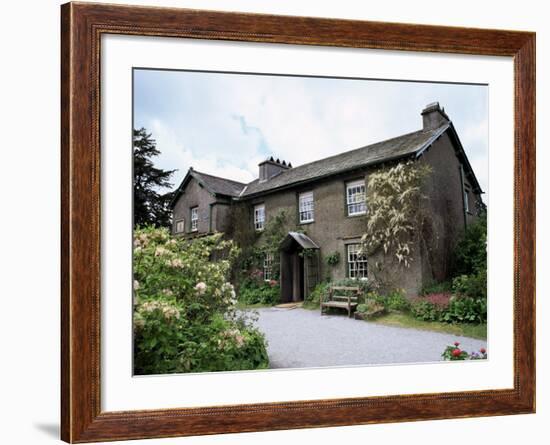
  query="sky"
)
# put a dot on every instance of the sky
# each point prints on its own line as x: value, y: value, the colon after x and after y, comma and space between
x: 226, y: 124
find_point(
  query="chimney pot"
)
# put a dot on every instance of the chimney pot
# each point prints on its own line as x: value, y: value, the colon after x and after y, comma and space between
x: 433, y: 116
x: 270, y: 168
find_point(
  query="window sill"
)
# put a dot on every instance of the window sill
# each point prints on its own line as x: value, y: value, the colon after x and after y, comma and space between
x: 307, y: 222
x: 356, y: 214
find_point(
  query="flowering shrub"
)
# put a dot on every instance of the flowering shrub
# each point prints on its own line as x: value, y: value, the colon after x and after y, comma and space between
x: 254, y: 290
x: 453, y: 352
x: 394, y: 217
x: 431, y: 307
x: 185, y: 317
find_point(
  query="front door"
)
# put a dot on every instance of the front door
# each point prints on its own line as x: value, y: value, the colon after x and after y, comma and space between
x: 292, y: 276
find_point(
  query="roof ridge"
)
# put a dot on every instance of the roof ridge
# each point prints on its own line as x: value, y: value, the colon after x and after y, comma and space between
x: 219, y: 177
x: 384, y: 141
x: 402, y: 145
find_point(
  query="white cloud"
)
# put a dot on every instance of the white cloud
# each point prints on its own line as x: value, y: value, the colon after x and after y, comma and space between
x: 226, y: 124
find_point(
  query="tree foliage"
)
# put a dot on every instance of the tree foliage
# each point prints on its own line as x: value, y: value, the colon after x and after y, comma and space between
x: 150, y: 205
x: 394, y: 218
x: 470, y: 254
x: 185, y: 315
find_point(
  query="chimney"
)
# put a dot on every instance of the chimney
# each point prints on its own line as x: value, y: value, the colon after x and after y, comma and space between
x: 433, y: 116
x: 270, y: 168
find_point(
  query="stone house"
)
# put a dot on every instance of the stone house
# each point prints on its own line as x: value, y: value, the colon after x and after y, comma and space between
x: 326, y: 202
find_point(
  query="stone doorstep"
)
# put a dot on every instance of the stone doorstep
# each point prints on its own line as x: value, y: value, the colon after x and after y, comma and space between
x: 289, y: 305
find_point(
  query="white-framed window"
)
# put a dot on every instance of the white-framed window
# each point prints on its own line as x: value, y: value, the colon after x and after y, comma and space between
x: 306, y: 207
x: 194, y: 219
x: 259, y: 217
x: 355, y: 198
x: 466, y: 200
x: 268, y: 266
x: 357, y: 263
x: 180, y: 226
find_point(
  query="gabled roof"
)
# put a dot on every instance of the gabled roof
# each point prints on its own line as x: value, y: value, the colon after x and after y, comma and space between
x: 391, y: 149
x: 303, y: 240
x: 408, y: 145
x: 214, y: 184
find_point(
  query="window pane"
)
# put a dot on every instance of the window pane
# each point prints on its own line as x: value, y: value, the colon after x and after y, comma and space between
x: 357, y: 264
x: 268, y: 266
x: 306, y: 207
x: 355, y: 193
x: 259, y: 217
x: 194, y: 218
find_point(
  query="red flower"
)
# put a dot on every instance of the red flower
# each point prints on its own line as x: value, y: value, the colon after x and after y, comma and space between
x: 456, y: 343
x: 483, y: 350
x: 456, y: 352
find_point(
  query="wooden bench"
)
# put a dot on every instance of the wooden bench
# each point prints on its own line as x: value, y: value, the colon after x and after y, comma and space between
x: 342, y: 297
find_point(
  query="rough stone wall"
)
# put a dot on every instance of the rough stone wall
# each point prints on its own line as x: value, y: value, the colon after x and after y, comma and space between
x: 333, y: 230
x: 195, y: 195
x: 444, y: 207
x: 221, y: 216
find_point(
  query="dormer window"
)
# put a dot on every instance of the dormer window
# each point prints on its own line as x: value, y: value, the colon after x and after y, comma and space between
x: 259, y: 217
x: 355, y: 198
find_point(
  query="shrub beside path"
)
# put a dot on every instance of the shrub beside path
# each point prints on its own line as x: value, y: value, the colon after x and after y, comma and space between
x: 301, y: 338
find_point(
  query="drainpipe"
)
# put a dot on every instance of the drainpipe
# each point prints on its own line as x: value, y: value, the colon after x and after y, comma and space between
x: 463, y: 189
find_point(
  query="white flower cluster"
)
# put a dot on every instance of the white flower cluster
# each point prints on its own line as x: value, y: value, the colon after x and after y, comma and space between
x: 168, y: 311
x: 200, y: 288
x: 141, y: 241
x: 176, y: 263
x: 160, y: 251
x: 227, y: 288
x: 233, y: 335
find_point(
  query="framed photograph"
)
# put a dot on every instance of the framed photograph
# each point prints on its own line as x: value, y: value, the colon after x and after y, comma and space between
x: 275, y: 222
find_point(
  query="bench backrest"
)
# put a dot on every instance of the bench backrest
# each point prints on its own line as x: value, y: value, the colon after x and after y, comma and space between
x: 344, y: 295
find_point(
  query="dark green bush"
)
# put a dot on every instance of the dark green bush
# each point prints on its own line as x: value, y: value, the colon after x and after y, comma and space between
x: 450, y: 309
x: 259, y: 292
x: 470, y: 253
x: 436, y: 287
x: 167, y: 343
x: 397, y: 301
x: 466, y: 310
x: 318, y: 293
x: 473, y: 286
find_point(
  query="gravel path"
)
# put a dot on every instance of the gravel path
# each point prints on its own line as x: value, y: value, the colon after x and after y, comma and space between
x: 300, y: 338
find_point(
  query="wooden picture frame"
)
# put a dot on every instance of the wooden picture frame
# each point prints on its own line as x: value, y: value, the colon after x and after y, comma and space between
x: 82, y: 26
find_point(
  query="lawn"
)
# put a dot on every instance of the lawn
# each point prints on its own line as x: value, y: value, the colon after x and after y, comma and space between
x: 404, y: 320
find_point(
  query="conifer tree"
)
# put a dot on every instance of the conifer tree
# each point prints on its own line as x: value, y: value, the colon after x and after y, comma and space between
x: 150, y: 205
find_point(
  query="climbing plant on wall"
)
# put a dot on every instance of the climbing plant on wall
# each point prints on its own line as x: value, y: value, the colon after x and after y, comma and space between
x: 394, y: 217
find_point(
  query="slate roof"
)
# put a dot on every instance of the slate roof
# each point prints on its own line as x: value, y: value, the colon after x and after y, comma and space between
x: 214, y: 184
x: 411, y: 144
x: 220, y: 186
x: 395, y: 148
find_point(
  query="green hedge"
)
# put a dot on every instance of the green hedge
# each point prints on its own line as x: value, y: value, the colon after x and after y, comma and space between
x: 259, y: 292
